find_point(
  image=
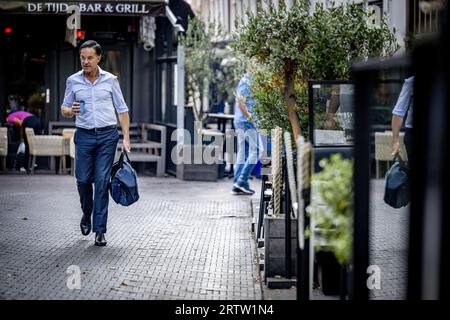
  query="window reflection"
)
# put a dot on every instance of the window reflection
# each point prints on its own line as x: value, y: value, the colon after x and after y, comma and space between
x: 333, y: 114
x: 112, y: 62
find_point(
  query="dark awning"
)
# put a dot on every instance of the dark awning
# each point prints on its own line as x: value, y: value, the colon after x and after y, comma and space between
x: 95, y: 7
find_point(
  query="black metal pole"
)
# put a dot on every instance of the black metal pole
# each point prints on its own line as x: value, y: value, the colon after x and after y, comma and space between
x: 261, y: 207
x: 343, y: 284
x: 445, y: 246
x: 303, y: 275
x: 287, y: 219
x: 364, y: 84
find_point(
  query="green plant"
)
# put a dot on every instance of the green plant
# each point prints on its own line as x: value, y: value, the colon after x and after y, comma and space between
x: 276, y: 38
x: 294, y: 46
x: 198, y: 48
x: 334, y: 217
x: 229, y: 67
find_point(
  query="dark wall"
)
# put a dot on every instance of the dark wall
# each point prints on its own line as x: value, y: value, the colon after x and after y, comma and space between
x: 142, y: 78
x: 2, y: 89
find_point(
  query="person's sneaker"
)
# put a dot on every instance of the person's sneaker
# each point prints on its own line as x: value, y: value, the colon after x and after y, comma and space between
x: 236, y: 191
x: 245, y: 189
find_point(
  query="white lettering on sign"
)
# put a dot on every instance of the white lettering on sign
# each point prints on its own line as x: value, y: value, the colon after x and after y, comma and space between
x: 119, y: 8
x: 55, y: 7
x: 32, y: 7
x: 61, y: 7
x: 143, y: 10
x: 131, y: 8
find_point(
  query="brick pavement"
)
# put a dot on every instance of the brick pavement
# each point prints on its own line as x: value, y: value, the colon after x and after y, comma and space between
x: 388, y: 245
x: 181, y: 240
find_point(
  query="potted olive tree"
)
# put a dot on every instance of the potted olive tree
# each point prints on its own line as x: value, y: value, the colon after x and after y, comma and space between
x: 211, y: 73
x: 294, y: 45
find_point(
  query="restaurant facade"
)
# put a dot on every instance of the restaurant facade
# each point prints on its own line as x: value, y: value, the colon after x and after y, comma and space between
x: 39, y: 46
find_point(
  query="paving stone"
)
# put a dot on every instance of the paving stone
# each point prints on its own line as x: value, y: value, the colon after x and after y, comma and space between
x: 179, y: 241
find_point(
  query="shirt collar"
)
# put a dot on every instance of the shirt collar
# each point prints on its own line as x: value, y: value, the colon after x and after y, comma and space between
x: 101, y: 72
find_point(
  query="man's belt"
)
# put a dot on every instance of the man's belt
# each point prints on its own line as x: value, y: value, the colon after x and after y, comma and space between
x: 100, y: 129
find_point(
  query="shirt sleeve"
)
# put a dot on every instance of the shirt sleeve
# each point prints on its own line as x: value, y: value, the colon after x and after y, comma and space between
x: 404, y: 99
x: 68, y: 94
x: 118, y: 100
x: 242, y: 91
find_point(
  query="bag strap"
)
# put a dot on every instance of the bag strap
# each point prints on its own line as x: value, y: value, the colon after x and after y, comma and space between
x: 126, y: 155
x: 398, y: 158
x: 121, y: 160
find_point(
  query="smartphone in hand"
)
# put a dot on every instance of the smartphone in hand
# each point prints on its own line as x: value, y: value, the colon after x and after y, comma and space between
x: 81, y: 103
x: 82, y: 108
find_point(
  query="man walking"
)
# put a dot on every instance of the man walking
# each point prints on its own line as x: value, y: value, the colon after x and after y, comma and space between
x: 403, y: 108
x: 93, y: 95
x: 247, y: 137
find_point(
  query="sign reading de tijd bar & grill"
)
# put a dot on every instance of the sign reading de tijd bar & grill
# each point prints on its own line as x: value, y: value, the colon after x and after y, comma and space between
x: 86, y: 7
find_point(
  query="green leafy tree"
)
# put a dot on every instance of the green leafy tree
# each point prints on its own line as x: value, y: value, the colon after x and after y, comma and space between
x: 210, y: 68
x: 276, y: 38
x: 229, y: 68
x: 198, y: 48
x: 294, y: 46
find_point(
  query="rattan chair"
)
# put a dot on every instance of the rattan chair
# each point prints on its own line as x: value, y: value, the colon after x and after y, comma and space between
x: 72, y: 156
x: 67, y: 135
x: 3, y: 146
x: 44, y: 146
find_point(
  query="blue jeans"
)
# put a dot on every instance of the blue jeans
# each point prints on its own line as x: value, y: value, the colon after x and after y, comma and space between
x: 94, y: 156
x: 247, y: 152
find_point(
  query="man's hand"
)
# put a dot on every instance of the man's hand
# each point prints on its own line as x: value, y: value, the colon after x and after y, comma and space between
x: 395, y: 146
x: 126, y: 145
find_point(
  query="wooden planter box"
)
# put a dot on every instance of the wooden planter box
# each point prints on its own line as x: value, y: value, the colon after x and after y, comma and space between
x: 274, y: 246
x: 198, y: 171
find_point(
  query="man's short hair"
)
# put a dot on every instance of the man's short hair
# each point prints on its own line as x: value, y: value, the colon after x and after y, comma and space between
x: 92, y: 44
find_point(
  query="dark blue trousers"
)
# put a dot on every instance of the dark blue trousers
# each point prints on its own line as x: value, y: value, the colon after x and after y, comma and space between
x: 94, y: 156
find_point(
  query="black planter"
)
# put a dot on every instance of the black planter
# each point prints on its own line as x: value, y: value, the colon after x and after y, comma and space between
x: 331, y: 274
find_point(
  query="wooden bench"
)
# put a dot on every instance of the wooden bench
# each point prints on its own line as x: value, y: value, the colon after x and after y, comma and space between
x: 57, y: 127
x: 148, y: 142
x: 145, y: 147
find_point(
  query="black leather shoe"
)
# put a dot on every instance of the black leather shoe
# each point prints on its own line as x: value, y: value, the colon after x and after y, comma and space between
x: 100, y: 239
x: 85, y: 225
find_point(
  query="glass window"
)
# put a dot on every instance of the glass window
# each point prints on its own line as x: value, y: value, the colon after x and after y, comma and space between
x: 111, y: 62
x: 332, y: 110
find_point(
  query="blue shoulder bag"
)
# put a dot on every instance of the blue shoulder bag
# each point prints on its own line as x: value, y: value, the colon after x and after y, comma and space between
x: 396, y: 187
x: 123, y: 186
